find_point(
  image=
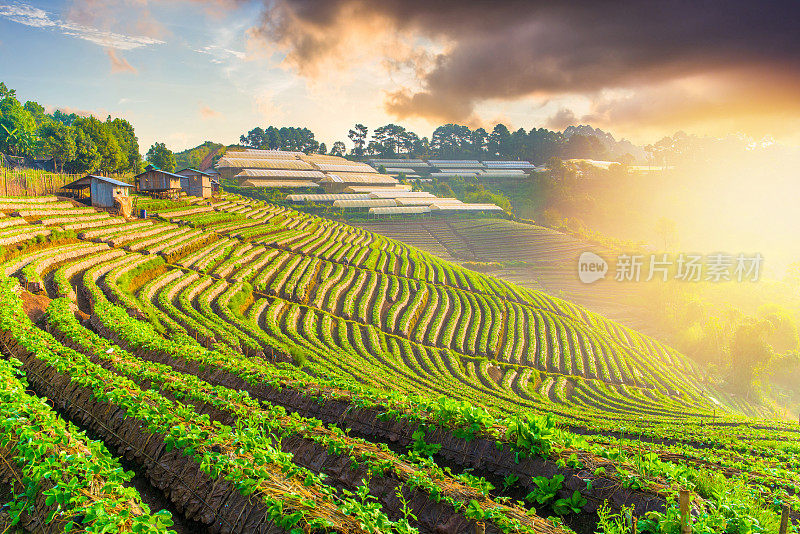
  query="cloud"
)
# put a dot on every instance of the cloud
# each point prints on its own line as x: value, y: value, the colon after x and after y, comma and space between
x: 35, y: 17
x: 517, y: 49
x: 736, y: 100
x: 561, y: 119
x: 118, y: 63
x: 208, y: 113
x: 220, y: 53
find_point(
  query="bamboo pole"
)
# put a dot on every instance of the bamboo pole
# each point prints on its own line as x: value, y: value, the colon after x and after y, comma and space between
x: 785, y: 519
x: 686, y: 518
x: 480, y: 527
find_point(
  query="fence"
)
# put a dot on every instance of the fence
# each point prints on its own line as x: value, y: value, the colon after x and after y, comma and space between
x: 32, y: 182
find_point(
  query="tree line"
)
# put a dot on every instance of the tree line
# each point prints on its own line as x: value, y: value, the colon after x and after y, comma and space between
x: 448, y: 141
x: 75, y: 143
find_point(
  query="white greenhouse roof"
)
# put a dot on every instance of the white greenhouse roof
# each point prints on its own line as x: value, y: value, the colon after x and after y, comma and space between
x: 371, y: 202
x: 465, y: 207
x: 400, y: 210
x: 325, y: 197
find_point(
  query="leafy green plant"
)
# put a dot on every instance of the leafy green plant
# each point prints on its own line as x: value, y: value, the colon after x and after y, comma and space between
x: 421, y: 447
x: 573, y: 504
x: 546, y: 489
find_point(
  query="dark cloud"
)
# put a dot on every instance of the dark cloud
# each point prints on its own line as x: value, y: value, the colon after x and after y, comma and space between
x: 507, y: 50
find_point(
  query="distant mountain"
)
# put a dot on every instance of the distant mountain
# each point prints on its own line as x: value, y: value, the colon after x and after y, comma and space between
x: 615, y: 148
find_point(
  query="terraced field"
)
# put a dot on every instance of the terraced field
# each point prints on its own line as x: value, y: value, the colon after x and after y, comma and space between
x: 257, y: 369
x: 529, y: 256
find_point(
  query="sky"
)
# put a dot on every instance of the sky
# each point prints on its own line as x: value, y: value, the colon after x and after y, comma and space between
x: 184, y: 72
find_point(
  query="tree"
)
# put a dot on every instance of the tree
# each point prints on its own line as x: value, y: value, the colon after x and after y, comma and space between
x: 255, y: 138
x: 112, y: 158
x: 338, y: 149
x: 479, y: 143
x: 17, y: 128
x: 162, y: 157
x: 323, y: 149
x: 123, y: 132
x: 5, y: 91
x: 358, y: 135
x: 393, y: 139
x: 498, y: 141
x: 64, y: 118
x: 37, y: 112
x: 451, y: 141
x: 58, y: 142
x: 87, y: 158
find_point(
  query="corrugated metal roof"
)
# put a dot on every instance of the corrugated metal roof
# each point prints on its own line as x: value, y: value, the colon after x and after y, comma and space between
x: 112, y: 181
x: 82, y: 183
x: 192, y: 170
x: 156, y: 169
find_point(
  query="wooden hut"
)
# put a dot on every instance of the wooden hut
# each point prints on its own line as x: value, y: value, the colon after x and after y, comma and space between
x: 195, y: 183
x: 159, y: 183
x: 103, y: 191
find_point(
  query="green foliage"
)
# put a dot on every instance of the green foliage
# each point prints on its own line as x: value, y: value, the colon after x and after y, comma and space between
x: 532, y: 434
x: 284, y: 138
x: 546, y: 489
x: 193, y: 157
x: 162, y: 157
x: 484, y: 196
x: 572, y: 505
x: 419, y: 445
x: 298, y: 355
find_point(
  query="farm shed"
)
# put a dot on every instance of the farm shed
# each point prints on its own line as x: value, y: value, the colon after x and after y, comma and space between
x: 162, y: 183
x: 195, y: 183
x: 102, y: 191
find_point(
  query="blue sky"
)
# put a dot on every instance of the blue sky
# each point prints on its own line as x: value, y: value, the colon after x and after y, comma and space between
x: 186, y: 71
x: 198, y: 76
